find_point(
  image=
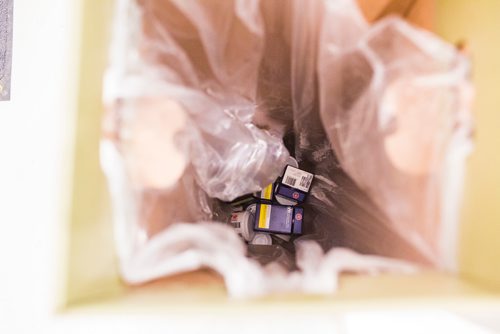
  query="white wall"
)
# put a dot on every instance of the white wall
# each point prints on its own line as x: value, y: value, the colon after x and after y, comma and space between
x: 36, y: 137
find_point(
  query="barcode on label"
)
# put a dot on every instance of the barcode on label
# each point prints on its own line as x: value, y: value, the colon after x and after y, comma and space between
x: 306, y: 180
x: 297, y: 178
x: 290, y: 181
x: 236, y: 225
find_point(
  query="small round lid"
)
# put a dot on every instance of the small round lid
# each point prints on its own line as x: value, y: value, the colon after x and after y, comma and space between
x: 285, y: 201
x: 252, y: 208
x: 292, y: 162
x: 247, y: 226
x: 262, y: 239
x: 284, y: 237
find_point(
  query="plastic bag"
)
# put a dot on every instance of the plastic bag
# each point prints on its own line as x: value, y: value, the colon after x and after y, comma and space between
x: 207, y: 99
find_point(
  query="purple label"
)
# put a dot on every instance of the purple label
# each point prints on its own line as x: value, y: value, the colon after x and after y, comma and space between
x: 291, y: 193
x: 278, y: 219
x: 298, y: 216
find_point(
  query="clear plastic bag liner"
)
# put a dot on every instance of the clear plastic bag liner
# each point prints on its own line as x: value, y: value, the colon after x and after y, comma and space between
x: 395, y: 105
x: 208, y: 99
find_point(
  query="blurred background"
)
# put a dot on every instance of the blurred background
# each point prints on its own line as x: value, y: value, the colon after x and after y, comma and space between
x: 58, y: 267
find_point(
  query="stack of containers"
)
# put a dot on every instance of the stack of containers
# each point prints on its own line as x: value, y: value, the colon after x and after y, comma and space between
x: 275, y: 209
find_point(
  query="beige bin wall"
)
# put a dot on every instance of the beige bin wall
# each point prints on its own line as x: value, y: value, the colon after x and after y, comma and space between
x: 477, y: 24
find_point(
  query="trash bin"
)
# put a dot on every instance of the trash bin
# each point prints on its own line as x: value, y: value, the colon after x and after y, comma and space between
x: 92, y: 276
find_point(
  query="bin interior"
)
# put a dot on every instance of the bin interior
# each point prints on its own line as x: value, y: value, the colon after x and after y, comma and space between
x: 91, y: 277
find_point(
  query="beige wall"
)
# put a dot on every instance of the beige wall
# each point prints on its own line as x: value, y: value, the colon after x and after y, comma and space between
x: 36, y: 147
x: 478, y: 23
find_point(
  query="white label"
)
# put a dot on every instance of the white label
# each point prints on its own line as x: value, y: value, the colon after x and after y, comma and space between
x: 238, y: 219
x: 298, y: 179
x: 241, y: 222
x: 289, y: 214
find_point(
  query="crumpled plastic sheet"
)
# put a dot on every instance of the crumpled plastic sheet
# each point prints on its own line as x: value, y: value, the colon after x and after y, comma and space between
x: 207, y: 100
x: 187, y: 247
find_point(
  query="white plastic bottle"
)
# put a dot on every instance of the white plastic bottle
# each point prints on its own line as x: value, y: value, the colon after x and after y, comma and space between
x: 243, y: 222
x: 262, y: 239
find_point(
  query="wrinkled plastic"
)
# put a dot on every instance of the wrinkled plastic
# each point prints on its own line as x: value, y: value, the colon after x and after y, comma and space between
x: 394, y: 105
x: 207, y: 100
